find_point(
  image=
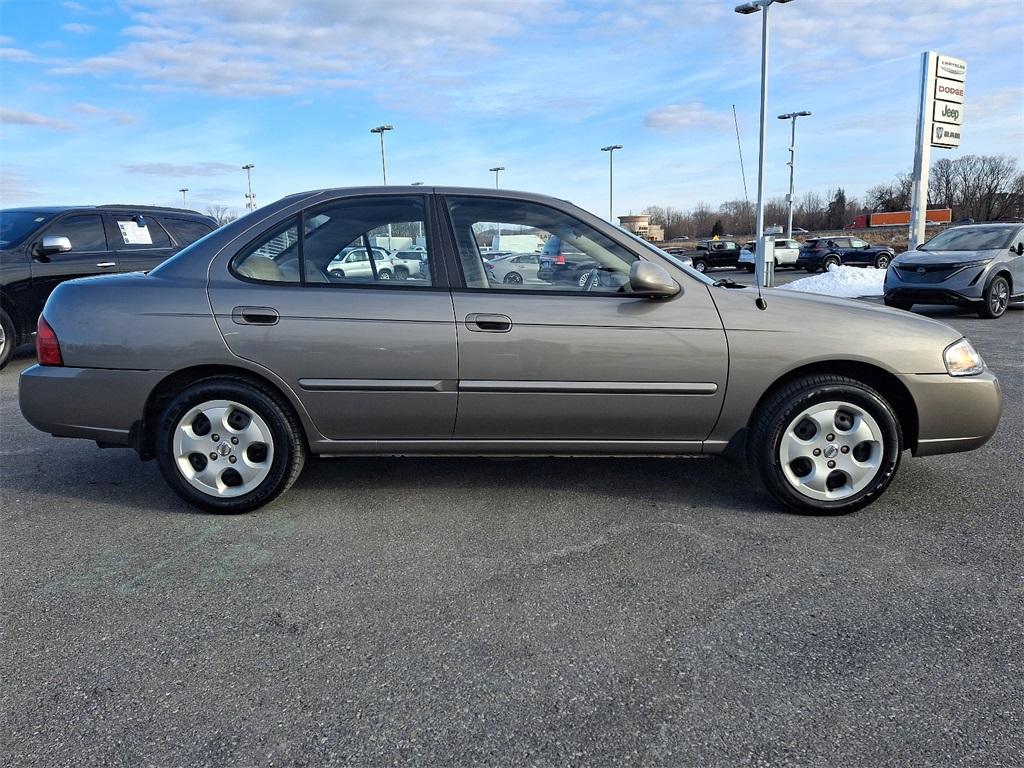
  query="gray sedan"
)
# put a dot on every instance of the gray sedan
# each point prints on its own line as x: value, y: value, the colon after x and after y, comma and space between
x: 234, y: 361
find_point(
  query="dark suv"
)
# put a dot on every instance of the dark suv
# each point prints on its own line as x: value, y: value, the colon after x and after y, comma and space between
x: 824, y: 252
x: 41, y: 247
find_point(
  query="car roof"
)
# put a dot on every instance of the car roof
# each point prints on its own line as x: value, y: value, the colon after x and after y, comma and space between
x: 107, y: 207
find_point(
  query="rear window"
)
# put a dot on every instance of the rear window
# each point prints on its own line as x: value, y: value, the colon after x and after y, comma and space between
x: 186, y: 232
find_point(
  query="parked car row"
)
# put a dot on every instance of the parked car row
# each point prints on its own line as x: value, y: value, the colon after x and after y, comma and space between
x: 42, y: 247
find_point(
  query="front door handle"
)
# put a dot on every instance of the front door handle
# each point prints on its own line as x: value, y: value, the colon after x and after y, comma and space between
x: 255, y: 315
x: 106, y: 264
x: 484, y: 323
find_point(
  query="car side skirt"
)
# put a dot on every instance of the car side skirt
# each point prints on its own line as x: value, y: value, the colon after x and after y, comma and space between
x: 453, y: 447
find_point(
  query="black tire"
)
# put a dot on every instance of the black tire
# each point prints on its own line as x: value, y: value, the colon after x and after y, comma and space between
x: 513, y: 278
x: 781, y: 407
x: 832, y: 260
x: 700, y: 265
x: 812, y: 269
x: 401, y: 273
x: 898, y: 304
x: 383, y: 274
x: 8, y: 338
x: 883, y: 260
x: 336, y: 272
x: 289, y: 443
x: 995, y: 298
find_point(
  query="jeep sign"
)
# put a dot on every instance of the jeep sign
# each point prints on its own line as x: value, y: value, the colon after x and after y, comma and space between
x: 946, y: 112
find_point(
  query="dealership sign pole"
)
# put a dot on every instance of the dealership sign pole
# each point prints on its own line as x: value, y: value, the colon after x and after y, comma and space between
x: 939, y: 121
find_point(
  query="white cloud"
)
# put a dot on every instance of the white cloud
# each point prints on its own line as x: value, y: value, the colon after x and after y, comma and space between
x: 187, y: 170
x: 16, y: 117
x: 675, y: 118
x: 116, y: 115
x: 73, y: 6
x: 77, y: 28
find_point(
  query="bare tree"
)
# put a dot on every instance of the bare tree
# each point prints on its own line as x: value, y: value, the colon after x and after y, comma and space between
x: 221, y: 214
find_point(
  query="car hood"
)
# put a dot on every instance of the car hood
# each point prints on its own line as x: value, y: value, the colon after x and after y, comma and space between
x: 921, y: 258
x: 811, y: 328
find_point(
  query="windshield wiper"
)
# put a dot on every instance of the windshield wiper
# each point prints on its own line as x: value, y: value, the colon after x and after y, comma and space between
x: 725, y: 282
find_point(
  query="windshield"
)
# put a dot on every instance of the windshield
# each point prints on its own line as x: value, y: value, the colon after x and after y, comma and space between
x: 15, y: 226
x: 674, y: 260
x: 972, y: 239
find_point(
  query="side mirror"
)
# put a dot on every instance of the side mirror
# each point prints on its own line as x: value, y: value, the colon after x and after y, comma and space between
x: 54, y: 244
x: 1019, y: 250
x: 651, y: 281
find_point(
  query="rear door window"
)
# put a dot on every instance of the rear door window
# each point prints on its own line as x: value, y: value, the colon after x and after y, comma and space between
x: 184, y: 231
x: 137, y: 231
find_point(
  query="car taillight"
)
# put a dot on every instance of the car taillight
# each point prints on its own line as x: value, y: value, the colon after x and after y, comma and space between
x: 560, y: 259
x: 47, y: 346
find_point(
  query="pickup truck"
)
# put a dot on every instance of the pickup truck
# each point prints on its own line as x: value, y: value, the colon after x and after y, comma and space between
x: 710, y: 254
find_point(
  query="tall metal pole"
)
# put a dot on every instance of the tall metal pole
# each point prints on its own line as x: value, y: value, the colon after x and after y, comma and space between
x: 610, y: 149
x: 792, y: 165
x: 382, y: 129
x: 250, y: 199
x: 760, y: 262
x: 496, y: 242
x: 183, y: 190
x: 496, y: 170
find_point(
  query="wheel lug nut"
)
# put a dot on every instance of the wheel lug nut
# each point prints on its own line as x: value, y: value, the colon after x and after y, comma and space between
x: 831, y: 465
x: 817, y: 451
x: 234, y: 441
x: 845, y: 449
x: 213, y: 455
x: 830, y: 437
x: 215, y: 438
x: 232, y: 459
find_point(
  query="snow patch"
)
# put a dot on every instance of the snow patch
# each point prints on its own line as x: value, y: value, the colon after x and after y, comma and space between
x: 843, y: 282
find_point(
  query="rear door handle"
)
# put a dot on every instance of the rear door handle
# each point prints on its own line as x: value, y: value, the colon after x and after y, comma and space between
x: 484, y: 323
x: 106, y: 264
x: 255, y: 315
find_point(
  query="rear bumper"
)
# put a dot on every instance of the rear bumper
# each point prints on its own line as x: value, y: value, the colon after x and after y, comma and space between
x: 91, y: 403
x: 954, y: 413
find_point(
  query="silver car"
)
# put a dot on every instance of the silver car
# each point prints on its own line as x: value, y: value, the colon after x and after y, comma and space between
x: 515, y: 269
x: 234, y: 361
x: 977, y: 266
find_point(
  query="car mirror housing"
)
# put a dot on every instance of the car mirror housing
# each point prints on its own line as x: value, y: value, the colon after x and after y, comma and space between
x: 1019, y: 250
x: 651, y: 281
x: 54, y: 244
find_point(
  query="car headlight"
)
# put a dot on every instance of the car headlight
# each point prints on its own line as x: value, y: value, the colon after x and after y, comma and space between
x: 962, y: 359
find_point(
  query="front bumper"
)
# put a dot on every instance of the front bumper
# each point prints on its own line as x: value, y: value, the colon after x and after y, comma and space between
x: 92, y: 403
x: 954, y: 413
x: 918, y: 295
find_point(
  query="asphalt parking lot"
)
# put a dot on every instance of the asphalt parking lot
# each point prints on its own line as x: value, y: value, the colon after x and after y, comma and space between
x: 513, y: 613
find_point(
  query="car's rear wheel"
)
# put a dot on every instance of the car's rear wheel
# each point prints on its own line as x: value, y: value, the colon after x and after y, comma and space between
x: 383, y: 274
x: 700, y: 265
x: 229, y: 446
x: 826, y: 445
x: 996, y: 298
x: 830, y: 261
x: 8, y: 338
x: 401, y: 273
x: 882, y: 261
x: 513, y: 278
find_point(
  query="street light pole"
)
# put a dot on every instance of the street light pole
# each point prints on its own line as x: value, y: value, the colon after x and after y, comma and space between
x: 496, y: 243
x: 754, y: 6
x: 792, y: 163
x: 183, y: 190
x: 610, y: 149
x: 496, y: 170
x: 381, y: 130
x: 250, y: 198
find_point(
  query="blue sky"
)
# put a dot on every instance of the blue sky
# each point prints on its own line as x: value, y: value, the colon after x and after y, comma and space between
x: 129, y: 101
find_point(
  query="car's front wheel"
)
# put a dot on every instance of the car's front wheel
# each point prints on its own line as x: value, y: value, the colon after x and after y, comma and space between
x: 996, y: 298
x: 826, y: 445
x: 513, y: 278
x: 830, y: 261
x: 882, y: 260
x: 229, y: 446
x: 8, y: 338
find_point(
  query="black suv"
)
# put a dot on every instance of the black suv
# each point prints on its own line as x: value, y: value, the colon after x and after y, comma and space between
x: 824, y: 252
x: 710, y: 254
x: 41, y: 247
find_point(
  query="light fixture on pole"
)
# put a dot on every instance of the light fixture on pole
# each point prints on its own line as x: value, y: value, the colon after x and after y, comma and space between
x: 382, y: 129
x: 417, y: 184
x: 610, y: 149
x: 250, y: 198
x: 183, y: 190
x: 496, y: 170
x: 792, y: 162
x: 763, y: 278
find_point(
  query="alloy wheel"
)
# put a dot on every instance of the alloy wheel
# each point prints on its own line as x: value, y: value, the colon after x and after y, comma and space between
x: 223, y: 448
x: 999, y: 299
x: 831, y: 451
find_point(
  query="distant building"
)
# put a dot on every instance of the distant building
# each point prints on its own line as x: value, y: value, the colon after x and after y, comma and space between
x: 641, y: 226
